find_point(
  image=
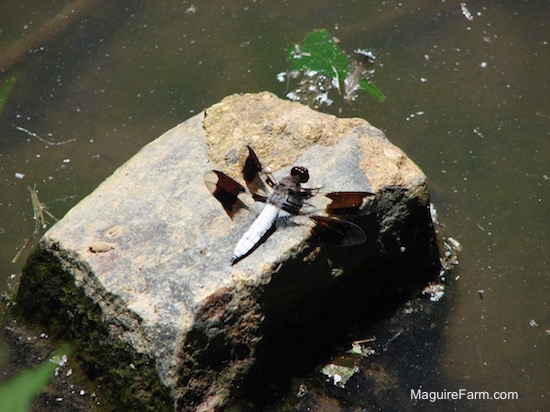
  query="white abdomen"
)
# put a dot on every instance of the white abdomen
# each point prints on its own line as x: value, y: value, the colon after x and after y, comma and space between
x: 256, y: 232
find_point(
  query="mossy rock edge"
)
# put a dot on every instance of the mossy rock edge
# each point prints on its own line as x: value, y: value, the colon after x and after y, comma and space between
x: 48, y: 297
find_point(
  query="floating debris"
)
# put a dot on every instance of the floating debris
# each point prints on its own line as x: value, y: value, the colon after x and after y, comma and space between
x: 465, y: 12
x: 435, y: 290
x: 357, y: 348
x: 302, y: 391
x: 339, y: 374
x: 362, y: 64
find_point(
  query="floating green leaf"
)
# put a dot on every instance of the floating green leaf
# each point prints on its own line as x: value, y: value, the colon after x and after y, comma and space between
x: 318, y: 52
x: 319, y: 55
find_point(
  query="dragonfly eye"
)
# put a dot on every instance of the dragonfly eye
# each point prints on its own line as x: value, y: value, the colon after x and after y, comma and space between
x: 301, y: 172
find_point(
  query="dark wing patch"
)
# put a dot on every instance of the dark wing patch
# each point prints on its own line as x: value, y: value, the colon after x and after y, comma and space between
x: 256, y: 177
x: 225, y: 190
x: 346, y: 203
x: 336, y: 232
x: 251, y: 167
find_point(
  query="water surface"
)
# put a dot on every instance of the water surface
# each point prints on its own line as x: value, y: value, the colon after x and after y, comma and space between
x: 467, y: 99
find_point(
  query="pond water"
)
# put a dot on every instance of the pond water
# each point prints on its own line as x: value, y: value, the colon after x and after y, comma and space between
x: 467, y: 99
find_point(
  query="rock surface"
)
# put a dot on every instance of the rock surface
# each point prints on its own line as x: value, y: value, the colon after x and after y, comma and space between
x: 148, y: 253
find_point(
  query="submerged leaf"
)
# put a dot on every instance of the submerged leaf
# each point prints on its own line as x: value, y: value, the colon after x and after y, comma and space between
x: 5, y: 90
x: 371, y: 89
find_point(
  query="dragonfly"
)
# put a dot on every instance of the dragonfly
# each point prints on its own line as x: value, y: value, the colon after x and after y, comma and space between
x: 285, y: 198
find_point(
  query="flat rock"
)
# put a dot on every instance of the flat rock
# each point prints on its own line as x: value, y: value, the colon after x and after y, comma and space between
x: 149, y: 251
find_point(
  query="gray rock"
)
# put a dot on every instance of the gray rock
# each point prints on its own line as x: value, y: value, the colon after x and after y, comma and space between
x: 149, y: 250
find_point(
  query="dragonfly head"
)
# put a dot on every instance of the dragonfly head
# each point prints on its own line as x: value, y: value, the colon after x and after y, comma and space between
x: 300, y: 173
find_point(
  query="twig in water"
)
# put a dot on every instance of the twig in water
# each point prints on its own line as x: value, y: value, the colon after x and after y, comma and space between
x: 22, y: 129
x: 390, y: 340
x: 40, y: 222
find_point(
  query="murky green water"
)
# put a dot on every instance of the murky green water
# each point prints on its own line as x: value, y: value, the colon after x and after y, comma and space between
x: 466, y: 99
